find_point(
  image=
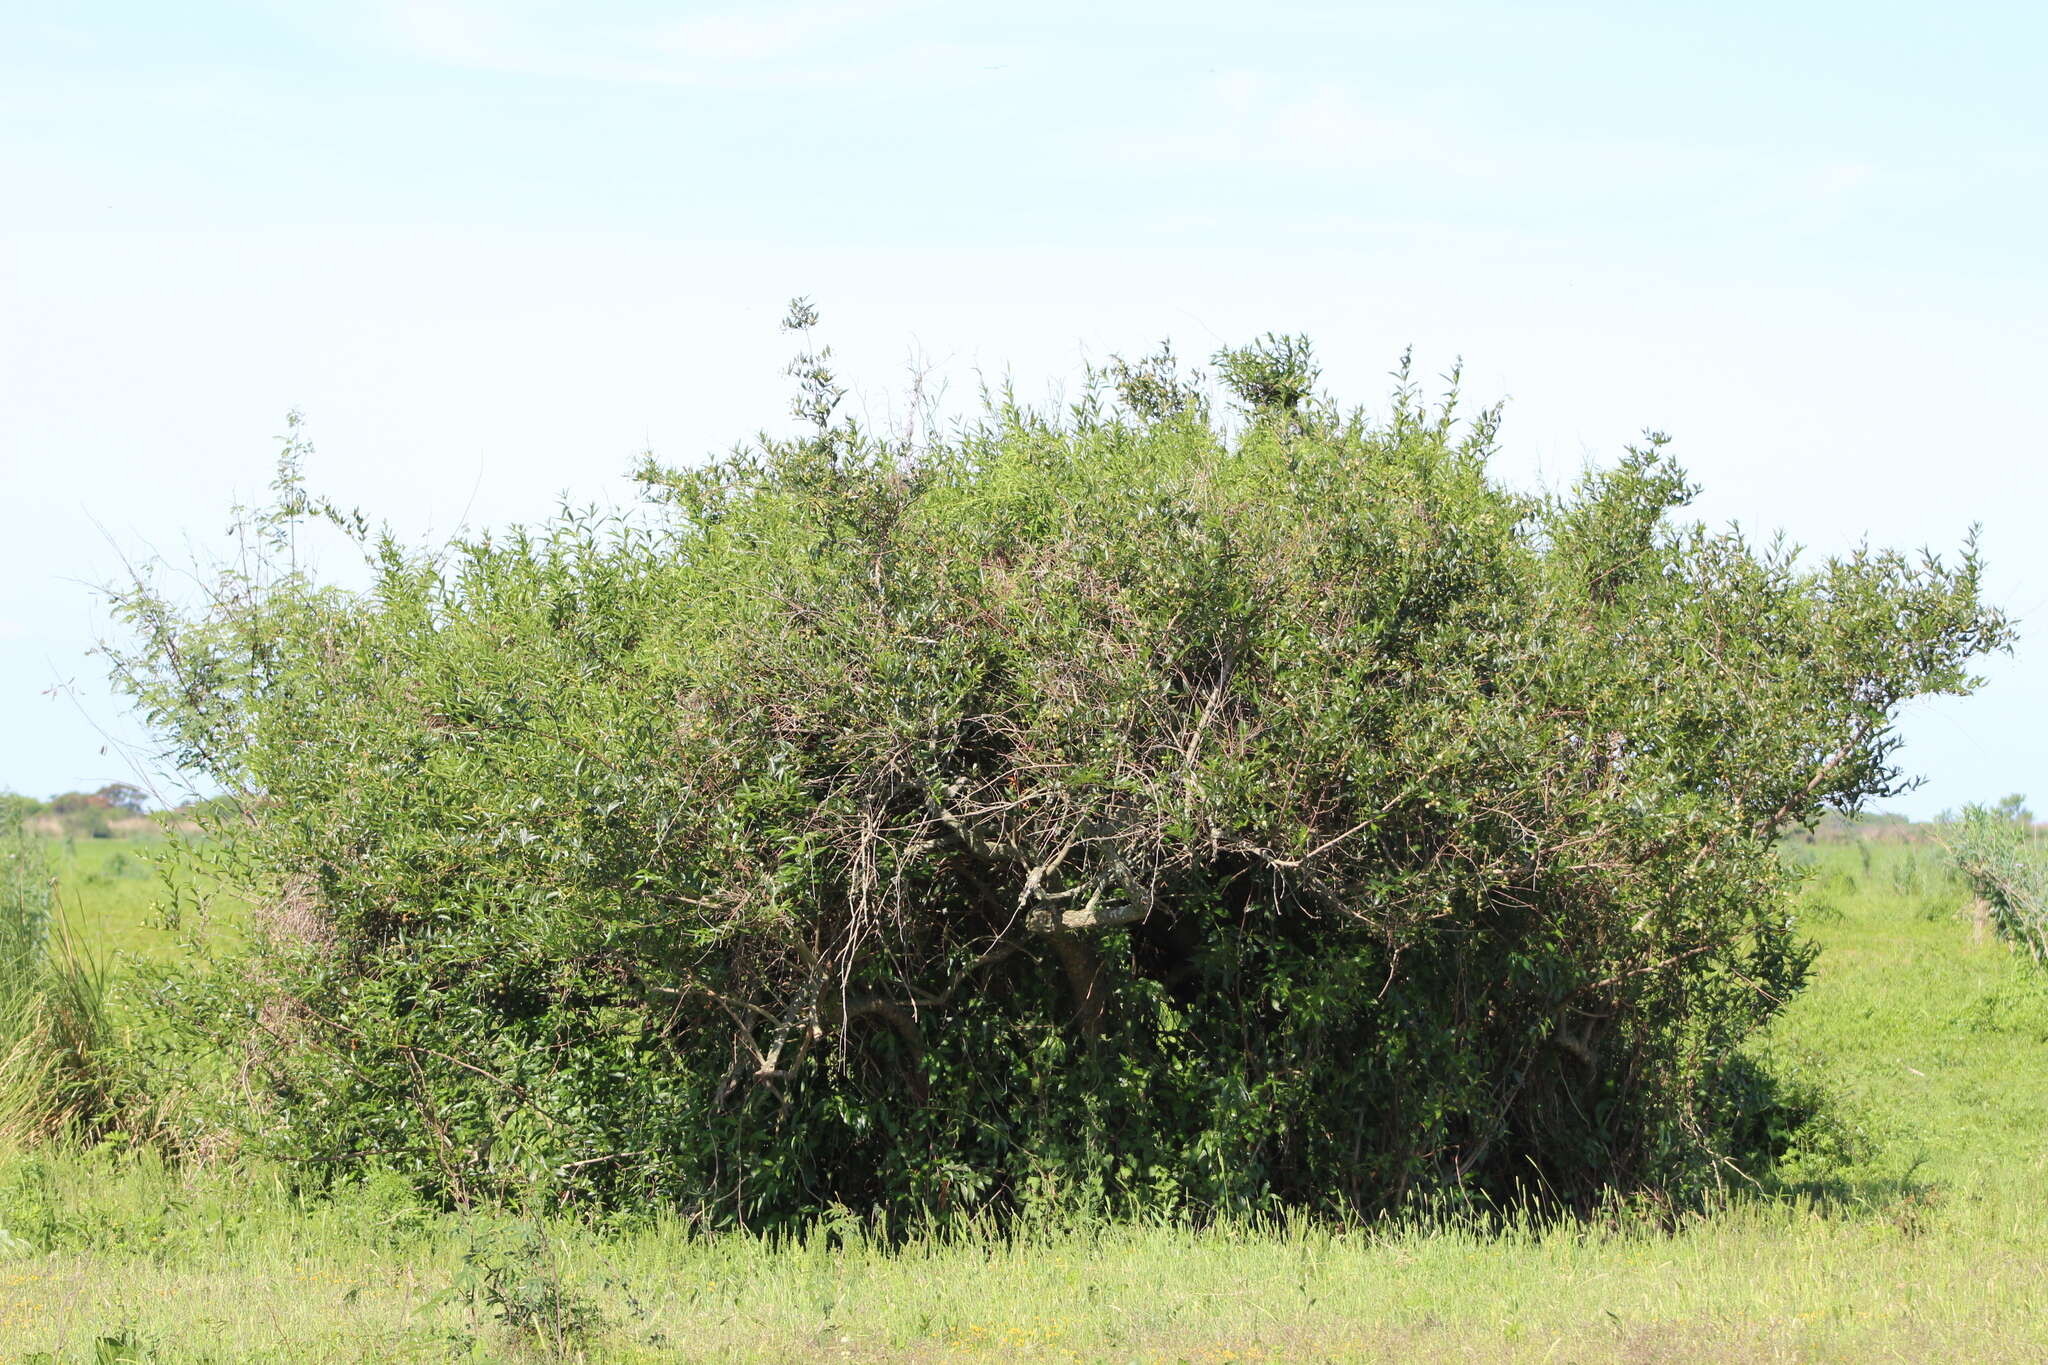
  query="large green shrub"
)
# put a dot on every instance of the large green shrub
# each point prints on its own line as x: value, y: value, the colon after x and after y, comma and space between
x: 1128, y: 808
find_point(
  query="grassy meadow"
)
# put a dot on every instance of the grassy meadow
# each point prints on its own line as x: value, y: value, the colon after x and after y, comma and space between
x: 1911, y: 1224
x: 111, y: 891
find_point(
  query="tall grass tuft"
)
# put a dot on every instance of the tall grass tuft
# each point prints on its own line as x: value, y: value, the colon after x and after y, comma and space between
x: 53, y: 1004
x: 1996, y: 850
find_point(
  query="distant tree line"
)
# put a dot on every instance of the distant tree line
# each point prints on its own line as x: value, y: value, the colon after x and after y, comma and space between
x: 94, y: 814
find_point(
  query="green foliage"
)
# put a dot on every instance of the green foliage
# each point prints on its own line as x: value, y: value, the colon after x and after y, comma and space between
x: 519, y: 1282
x: 15, y: 808
x: 818, y: 390
x: 1118, y: 810
x: 1999, y: 854
x: 25, y: 896
x: 1153, y: 388
x: 1275, y: 375
x: 121, y: 1348
x: 25, y: 902
x: 53, y: 991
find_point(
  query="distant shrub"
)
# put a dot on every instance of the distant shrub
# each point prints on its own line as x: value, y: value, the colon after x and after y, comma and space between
x: 78, y: 803
x: 124, y: 797
x: 1128, y: 808
x: 2001, y: 859
x: 83, y: 814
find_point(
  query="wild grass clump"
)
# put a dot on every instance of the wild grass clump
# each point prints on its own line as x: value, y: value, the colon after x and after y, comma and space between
x: 53, y: 1004
x: 2000, y: 856
x: 1149, y: 808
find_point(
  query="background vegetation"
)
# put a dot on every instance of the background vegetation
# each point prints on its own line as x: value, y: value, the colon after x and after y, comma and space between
x: 2000, y: 853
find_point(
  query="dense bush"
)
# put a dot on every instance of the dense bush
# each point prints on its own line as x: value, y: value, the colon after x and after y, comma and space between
x: 2005, y: 864
x: 1133, y: 807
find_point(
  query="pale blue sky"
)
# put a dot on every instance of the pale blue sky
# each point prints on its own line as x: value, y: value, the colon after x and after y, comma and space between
x: 494, y: 250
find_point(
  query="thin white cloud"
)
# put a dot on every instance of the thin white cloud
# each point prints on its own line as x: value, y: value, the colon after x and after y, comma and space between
x: 1246, y: 119
x: 1843, y: 178
x: 762, y: 43
x: 1249, y: 119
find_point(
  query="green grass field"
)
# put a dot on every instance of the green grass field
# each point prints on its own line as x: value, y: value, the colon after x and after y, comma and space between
x: 1920, y: 1233
x: 113, y: 893
x: 107, y: 887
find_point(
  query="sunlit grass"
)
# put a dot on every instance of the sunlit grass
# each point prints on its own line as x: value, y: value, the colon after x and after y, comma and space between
x: 114, y: 892
x: 1932, y: 1246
